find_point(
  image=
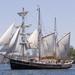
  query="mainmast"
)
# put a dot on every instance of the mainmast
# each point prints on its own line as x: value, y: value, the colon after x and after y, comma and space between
x: 39, y: 33
x: 23, y: 35
x: 55, y: 31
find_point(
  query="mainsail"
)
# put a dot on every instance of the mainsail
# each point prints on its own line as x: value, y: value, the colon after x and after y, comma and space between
x: 33, y: 39
x: 7, y: 35
x: 63, y: 46
x: 47, y: 49
x: 47, y: 45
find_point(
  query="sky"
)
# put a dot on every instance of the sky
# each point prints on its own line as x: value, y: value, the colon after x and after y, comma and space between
x: 63, y: 10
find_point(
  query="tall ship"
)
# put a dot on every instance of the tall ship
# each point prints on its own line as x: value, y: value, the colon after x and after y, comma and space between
x: 35, y: 51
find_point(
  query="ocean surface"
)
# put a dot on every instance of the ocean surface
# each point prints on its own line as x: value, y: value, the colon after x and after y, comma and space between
x: 5, y: 70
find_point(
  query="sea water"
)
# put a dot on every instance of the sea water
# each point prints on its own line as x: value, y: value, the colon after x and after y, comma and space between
x: 5, y: 70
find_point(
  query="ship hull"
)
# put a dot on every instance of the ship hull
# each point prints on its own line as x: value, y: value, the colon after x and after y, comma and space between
x: 17, y: 64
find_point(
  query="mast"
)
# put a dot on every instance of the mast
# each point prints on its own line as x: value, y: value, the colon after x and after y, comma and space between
x: 23, y: 35
x: 39, y: 33
x: 55, y: 31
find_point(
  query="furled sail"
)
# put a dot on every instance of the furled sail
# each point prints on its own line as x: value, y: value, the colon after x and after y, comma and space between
x: 7, y: 35
x: 48, y: 45
x: 63, y: 46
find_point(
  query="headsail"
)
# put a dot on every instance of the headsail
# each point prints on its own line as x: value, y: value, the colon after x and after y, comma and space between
x: 13, y: 42
x: 63, y: 46
x: 7, y: 35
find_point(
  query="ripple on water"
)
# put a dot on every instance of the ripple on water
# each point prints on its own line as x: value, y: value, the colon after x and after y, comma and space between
x: 5, y: 70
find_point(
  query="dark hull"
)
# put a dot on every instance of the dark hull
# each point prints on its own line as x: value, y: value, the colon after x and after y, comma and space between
x: 17, y: 64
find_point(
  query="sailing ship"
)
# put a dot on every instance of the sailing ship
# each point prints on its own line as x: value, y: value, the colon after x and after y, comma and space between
x: 36, y: 51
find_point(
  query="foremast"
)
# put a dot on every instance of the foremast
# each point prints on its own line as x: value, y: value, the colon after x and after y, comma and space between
x: 23, y: 35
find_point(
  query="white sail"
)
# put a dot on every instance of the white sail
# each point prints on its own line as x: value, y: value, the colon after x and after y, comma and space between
x: 48, y: 45
x: 33, y: 39
x: 63, y: 46
x: 7, y: 35
x: 13, y: 42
